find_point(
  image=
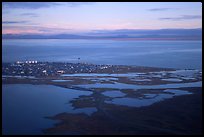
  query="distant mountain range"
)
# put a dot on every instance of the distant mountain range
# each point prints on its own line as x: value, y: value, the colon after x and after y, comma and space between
x: 169, y: 34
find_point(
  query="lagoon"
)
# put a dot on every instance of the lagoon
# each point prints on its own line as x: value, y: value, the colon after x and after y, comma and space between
x: 118, y: 85
x: 24, y: 107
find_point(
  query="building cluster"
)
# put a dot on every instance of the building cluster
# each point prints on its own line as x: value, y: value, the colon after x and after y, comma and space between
x: 29, y: 61
x: 39, y: 69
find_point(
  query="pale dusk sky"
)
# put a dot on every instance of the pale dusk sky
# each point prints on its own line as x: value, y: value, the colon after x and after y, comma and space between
x: 75, y: 17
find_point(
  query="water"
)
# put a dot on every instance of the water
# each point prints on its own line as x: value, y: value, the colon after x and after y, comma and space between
x: 173, y: 54
x: 118, y: 85
x: 97, y: 79
x: 25, y: 106
x: 100, y: 74
x: 184, y: 73
x: 152, y: 98
x: 113, y: 94
x: 60, y: 80
x: 172, y: 79
x: 21, y: 77
x: 140, y: 79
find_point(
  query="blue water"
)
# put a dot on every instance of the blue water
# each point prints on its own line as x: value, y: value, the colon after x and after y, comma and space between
x: 113, y: 93
x: 173, y: 54
x: 25, y: 106
x: 60, y: 80
x: 152, y: 98
x: 118, y: 85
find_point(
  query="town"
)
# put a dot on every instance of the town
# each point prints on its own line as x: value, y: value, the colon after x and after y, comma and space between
x: 42, y: 69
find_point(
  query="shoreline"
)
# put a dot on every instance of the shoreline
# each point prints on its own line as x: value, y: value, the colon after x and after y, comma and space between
x: 160, y: 118
x: 169, y: 115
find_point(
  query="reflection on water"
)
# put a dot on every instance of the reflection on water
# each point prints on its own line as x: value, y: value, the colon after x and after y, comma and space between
x: 60, y: 80
x: 185, y: 73
x: 113, y: 93
x: 172, y: 79
x: 135, y: 102
x: 7, y: 76
x: 151, y: 98
x: 131, y: 86
x: 25, y: 106
x: 133, y: 79
x: 87, y: 110
x: 140, y: 53
x: 102, y: 74
x: 177, y: 92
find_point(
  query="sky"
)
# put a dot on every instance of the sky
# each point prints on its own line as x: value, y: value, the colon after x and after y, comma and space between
x: 79, y: 17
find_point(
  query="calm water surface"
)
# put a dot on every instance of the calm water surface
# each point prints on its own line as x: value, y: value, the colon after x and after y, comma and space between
x: 173, y: 54
x: 25, y: 106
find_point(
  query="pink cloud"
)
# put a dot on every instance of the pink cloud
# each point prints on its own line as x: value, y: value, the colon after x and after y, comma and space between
x: 46, y: 29
x: 19, y: 31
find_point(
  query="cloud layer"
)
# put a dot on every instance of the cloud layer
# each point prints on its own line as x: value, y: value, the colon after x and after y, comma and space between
x: 183, y: 17
x: 30, y: 14
x: 60, y: 17
x: 38, y: 5
x: 168, y: 34
x: 160, y: 9
x: 14, y: 22
x: 28, y: 5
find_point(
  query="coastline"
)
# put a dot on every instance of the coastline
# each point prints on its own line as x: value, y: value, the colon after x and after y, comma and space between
x: 177, y: 116
x: 160, y: 117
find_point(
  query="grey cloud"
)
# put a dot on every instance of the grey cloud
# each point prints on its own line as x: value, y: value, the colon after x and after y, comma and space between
x: 183, y: 17
x: 36, y: 27
x: 28, y: 5
x: 38, y: 5
x: 29, y: 14
x: 13, y: 22
x: 159, y: 9
x: 42, y: 29
x: 74, y: 4
x: 138, y: 32
x: 174, y: 34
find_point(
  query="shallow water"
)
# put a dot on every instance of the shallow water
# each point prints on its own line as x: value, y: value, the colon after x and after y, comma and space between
x: 172, y: 79
x: 101, y: 74
x: 60, y: 80
x: 24, y: 106
x: 131, y: 86
x: 133, y: 79
x: 21, y: 77
x: 100, y: 79
x: 184, y: 73
x: 151, y: 98
x: 113, y: 94
x: 177, y: 92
